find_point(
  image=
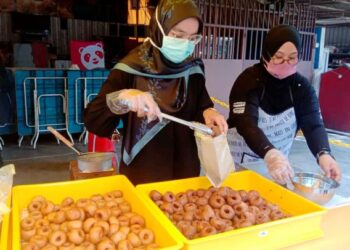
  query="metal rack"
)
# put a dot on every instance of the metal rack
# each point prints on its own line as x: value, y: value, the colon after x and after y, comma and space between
x: 87, y: 97
x: 38, y: 125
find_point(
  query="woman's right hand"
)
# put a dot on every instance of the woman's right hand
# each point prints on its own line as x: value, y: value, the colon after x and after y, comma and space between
x: 279, y: 167
x: 138, y: 101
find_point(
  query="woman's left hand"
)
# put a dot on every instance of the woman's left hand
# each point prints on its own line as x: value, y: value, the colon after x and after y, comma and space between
x: 330, y: 167
x: 216, y: 121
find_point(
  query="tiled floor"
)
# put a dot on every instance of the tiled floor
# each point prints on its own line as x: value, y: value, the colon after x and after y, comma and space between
x: 49, y: 162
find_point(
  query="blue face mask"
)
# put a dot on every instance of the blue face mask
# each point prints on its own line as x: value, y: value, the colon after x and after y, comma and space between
x: 174, y: 49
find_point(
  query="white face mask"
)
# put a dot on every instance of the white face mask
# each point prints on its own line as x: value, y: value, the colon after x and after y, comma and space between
x: 174, y: 49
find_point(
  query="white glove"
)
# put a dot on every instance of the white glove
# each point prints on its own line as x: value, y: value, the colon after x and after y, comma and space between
x: 330, y: 167
x: 278, y: 166
x: 123, y: 101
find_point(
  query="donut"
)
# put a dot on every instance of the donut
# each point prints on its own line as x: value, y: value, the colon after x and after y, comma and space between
x: 200, y: 192
x: 159, y: 203
x: 272, y: 206
x: 117, y: 193
x: 49, y: 247
x: 51, y: 216
x: 74, y: 224
x: 207, y: 230
x: 178, y: 216
x: 58, y: 238
x: 189, y: 232
x: 125, y: 230
x: 233, y: 199
x: 244, y: 223
x: 96, y: 197
x: 47, y: 207
x: 115, y: 211
x: 55, y: 227
x: 100, y: 203
x: 243, y: 194
x: 88, y: 224
x: 108, y: 196
x: 253, y: 193
x: 96, y: 234
x: 125, y: 207
x: 177, y: 206
x: 255, y: 200
x: 190, y: 193
x: 106, y: 244
x: 66, y: 202
x: 190, y: 207
x: 223, y: 191
x: 182, y: 198
x: 261, y: 218
x: 113, y: 220
x: 134, y: 239
x: 39, y: 198
x: 265, y: 209
x: 59, y: 217
x: 76, y: 236
x: 113, y: 228
x: 138, y: 219
x: 136, y: 228
x: 27, y: 223
x: 155, y: 195
x: 254, y: 209
x: 111, y: 203
x: 246, y: 216
x: 29, y: 246
x: 276, y: 215
x: 64, y: 227
x: 207, y: 194
x: 124, y: 220
x: 41, y: 222
x: 72, y: 214
x: 188, y: 215
x: 216, y: 201
x: 152, y: 246
x: 34, y: 206
x: 146, y: 236
x: 102, y: 213
x: 227, y: 212
x: 27, y: 234
x: 87, y: 246
x: 201, y: 201
x: 38, y: 240
x: 67, y: 246
x: 124, y: 245
x: 240, y: 207
x: 36, y: 215
x: 169, y: 197
x: 183, y: 224
x: 200, y: 224
x: 213, y: 189
x: 104, y: 225
x: 193, y: 198
x: 82, y: 202
x: 218, y: 223
x: 44, y: 230
x: 167, y: 207
x: 206, y: 213
x: 117, y: 237
x: 120, y: 200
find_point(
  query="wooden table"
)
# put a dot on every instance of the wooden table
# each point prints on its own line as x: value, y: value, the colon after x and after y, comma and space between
x: 76, y: 174
x: 336, y: 227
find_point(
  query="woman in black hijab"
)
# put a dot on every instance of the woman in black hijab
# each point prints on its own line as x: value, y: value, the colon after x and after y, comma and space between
x: 159, y: 75
x: 269, y: 102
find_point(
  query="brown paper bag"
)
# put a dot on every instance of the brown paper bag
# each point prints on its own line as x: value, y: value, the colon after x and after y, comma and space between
x: 215, y: 157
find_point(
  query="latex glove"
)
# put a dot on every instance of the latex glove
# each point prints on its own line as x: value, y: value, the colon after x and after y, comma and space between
x: 330, y: 167
x: 278, y: 166
x: 126, y: 100
x: 216, y: 121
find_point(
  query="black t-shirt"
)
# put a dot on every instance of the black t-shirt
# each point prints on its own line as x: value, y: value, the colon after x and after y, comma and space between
x: 255, y: 88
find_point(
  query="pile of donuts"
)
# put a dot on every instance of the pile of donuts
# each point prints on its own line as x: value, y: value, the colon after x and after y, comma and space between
x: 101, y: 222
x: 203, y: 212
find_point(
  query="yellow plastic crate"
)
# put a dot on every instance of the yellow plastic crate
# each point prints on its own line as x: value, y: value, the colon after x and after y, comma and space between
x: 56, y: 192
x: 305, y: 223
x: 5, y: 229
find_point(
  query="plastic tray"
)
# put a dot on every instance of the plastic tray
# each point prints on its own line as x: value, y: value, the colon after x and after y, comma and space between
x: 5, y: 229
x: 304, y: 223
x: 56, y: 192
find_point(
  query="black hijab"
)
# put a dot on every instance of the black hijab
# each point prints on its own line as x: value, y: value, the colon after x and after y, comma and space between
x: 147, y: 59
x: 276, y: 37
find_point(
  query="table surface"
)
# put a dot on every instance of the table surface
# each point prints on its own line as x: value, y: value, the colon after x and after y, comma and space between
x: 336, y: 227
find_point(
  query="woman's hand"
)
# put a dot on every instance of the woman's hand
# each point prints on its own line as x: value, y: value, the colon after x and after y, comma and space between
x: 330, y: 167
x: 279, y: 167
x: 138, y: 101
x: 216, y: 121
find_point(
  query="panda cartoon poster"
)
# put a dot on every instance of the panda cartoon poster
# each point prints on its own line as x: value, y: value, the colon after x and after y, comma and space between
x: 87, y: 54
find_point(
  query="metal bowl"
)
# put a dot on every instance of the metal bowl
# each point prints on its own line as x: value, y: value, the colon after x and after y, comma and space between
x: 95, y: 162
x: 315, y: 187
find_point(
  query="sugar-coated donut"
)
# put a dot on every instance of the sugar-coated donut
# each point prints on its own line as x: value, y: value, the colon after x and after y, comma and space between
x: 227, y: 212
x: 90, y: 209
x: 182, y: 198
x: 117, y: 237
x: 96, y: 234
x: 67, y: 246
x: 49, y: 247
x: 106, y: 244
x: 74, y: 224
x: 218, y: 223
x: 137, y: 219
x: 76, y: 236
x: 233, y: 198
x: 36, y: 215
x: 102, y: 213
x: 58, y: 238
x: 207, y: 230
x: 136, y: 228
x: 167, y: 207
x: 216, y: 201
x: 47, y: 207
x: 35, y: 206
x: 117, y: 193
x: 66, y: 202
x: 178, y: 216
x: 59, y: 217
x: 189, y: 232
x: 200, y: 192
x: 44, y: 231
x: 206, y: 213
x: 38, y: 240
x: 146, y: 236
x: 104, y: 225
x: 169, y: 197
x: 124, y: 245
x: 240, y: 207
x: 87, y: 246
x: 73, y: 214
x: 134, y: 239
x: 177, y: 206
x: 201, y: 201
x: 29, y: 246
x: 27, y: 223
x: 155, y: 195
x: 243, y: 194
x: 190, y: 207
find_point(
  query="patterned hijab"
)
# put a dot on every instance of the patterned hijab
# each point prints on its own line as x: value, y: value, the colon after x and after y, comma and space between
x: 152, y: 72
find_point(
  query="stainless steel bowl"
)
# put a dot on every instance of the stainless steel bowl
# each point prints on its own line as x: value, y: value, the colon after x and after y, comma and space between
x: 315, y: 187
x: 95, y: 161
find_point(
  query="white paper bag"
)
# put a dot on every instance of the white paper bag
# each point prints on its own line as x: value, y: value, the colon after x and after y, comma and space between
x: 215, y: 157
x: 6, y: 179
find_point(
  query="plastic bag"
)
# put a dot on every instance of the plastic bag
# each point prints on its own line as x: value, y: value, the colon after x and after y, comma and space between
x: 215, y: 157
x: 6, y: 180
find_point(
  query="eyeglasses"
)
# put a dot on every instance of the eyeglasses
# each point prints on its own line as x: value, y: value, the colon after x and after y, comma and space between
x: 281, y: 59
x: 192, y: 38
